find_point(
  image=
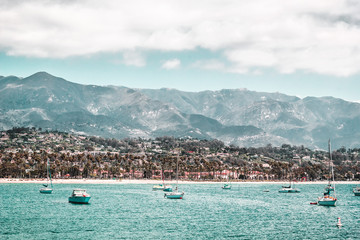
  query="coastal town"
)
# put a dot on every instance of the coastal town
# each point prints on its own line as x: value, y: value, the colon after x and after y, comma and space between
x: 24, y: 153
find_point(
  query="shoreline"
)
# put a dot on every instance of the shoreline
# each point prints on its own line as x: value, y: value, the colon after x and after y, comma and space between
x: 148, y: 181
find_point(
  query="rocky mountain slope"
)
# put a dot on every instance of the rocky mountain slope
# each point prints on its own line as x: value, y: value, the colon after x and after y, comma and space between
x: 238, y: 117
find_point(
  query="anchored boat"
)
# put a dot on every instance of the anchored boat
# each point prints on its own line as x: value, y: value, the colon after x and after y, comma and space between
x: 79, y: 196
x: 176, y: 194
x: 356, y: 191
x: 327, y: 199
x: 289, y: 189
x: 163, y: 186
x: 46, y: 189
x: 227, y: 185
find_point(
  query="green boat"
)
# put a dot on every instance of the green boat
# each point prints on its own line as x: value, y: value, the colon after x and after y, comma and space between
x: 226, y: 186
x: 79, y: 196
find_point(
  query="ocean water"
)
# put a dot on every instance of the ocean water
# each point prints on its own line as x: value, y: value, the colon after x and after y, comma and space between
x: 134, y: 211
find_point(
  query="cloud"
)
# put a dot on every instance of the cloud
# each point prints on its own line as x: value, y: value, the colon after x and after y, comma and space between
x: 171, y: 64
x: 211, y: 64
x: 134, y: 59
x: 288, y: 36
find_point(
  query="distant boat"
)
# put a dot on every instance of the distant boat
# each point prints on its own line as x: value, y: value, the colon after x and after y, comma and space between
x: 227, y: 185
x: 79, y: 196
x: 176, y: 194
x: 289, y: 189
x: 356, y: 191
x: 163, y: 186
x: 327, y: 199
x: 46, y: 189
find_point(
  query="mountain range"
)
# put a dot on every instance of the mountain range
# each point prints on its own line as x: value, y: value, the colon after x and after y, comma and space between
x: 235, y: 116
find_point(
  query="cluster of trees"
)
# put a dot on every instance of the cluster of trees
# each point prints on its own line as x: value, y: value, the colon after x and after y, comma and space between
x: 86, y: 165
x: 131, y: 158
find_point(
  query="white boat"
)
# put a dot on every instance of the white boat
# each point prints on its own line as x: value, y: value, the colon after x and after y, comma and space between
x: 163, y: 186
x: 176, y: 194
x: 327, y: 199
x: 289, y: 189
x: 79, y: 196
x: 356, y: 191
x: 46, y: 189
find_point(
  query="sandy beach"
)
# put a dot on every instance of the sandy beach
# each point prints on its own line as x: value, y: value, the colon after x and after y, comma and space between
x: 147, y: 181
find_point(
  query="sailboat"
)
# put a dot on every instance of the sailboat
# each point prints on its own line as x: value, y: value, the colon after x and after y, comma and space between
x: 227, y: 185
x: 165, y: 188
x: 176, y: 194
x: 46, y: 189
x: 327, y: 199
x: 289, y: 189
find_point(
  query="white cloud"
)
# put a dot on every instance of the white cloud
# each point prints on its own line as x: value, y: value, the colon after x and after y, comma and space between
x: 211, y: 64
x: 171, y: 64
x: 314, y: 36
x: 134, y: 59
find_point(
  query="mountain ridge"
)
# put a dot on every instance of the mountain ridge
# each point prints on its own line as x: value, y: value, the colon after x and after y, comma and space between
x: 235, y: 116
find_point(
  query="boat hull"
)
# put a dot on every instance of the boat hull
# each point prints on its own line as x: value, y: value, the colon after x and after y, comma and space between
x: 357, y: 193
x: 174, y: 195
x: 79, y: 200
x: 331, y: 203
x: 289, y: 190
x: 166, y: 188
x: 46, y: 190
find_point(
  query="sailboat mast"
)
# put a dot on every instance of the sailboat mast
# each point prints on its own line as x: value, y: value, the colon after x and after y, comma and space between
x: 177, y: 168
x: 330, y: 159
x: 48, y: 171
x: 331, y: 169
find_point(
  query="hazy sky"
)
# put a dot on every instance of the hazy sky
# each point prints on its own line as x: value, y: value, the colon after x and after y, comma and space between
x: 297, y: 47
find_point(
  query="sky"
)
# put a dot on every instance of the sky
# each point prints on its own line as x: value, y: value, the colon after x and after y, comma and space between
x: 300, y: 47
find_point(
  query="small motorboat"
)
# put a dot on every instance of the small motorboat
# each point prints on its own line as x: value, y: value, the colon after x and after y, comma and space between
x: 79, y: 196
x: 356, y: 191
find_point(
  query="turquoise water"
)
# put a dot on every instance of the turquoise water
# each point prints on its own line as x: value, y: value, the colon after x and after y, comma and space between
x: 134, y: 211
